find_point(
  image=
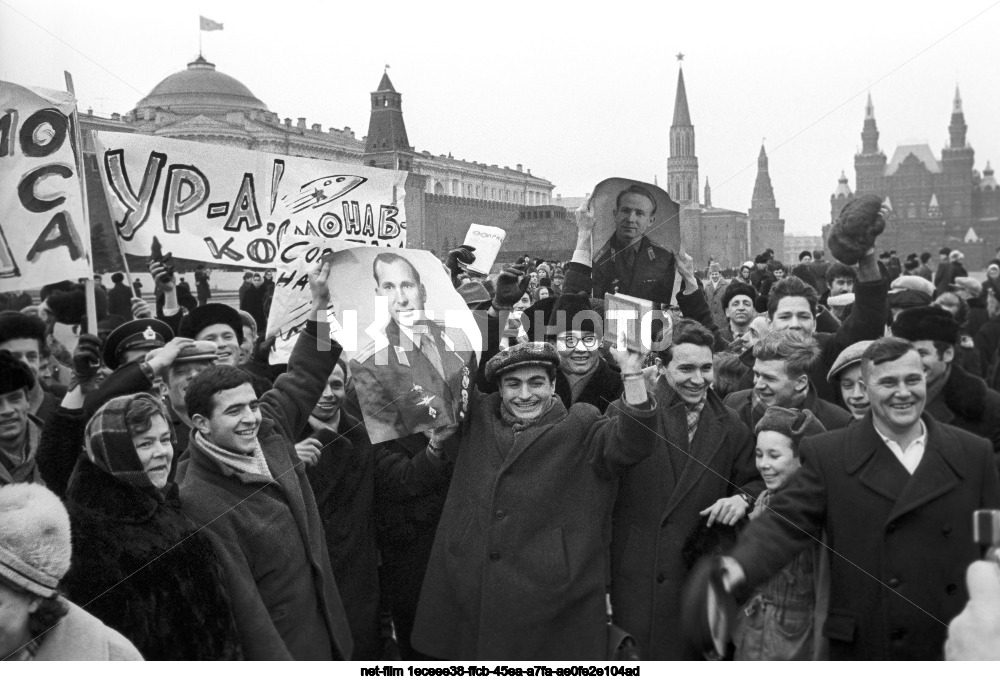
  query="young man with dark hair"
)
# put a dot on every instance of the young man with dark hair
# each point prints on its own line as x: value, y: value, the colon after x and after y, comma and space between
x: 244, y: 482
x: 784, y: 360
x: 699, y: 481
x: 924, y: 269
x: 892, y: 497
x: 794, y: 304
x: 954, y: 396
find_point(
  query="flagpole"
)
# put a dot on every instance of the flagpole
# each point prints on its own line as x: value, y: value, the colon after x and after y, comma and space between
x: 89, y: 288
x: 199, y: 38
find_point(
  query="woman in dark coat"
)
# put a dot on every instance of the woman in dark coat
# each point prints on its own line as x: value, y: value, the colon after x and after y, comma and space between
x: 140, y: 565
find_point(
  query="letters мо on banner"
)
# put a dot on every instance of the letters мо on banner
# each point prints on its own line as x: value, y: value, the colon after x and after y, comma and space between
x: 245, y: 208
x: 44, y: 236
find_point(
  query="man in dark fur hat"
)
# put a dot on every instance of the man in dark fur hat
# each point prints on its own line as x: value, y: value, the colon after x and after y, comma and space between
x: 954, y: 396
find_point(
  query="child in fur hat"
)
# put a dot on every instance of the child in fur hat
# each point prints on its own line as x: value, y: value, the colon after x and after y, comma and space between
x: 779, y: 620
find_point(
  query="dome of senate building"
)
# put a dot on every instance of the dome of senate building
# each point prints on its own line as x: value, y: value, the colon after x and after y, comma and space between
x: 201, y: 89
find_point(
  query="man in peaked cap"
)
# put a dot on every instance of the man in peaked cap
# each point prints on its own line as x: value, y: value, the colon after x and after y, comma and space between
x: 954, y: 396
x: 131, y: 341
x: 20, y: 432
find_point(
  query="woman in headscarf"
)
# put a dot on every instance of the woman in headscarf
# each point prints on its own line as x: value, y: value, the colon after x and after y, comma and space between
x: 139, y: 564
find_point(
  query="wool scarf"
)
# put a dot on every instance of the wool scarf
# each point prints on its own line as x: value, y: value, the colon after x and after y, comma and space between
x: 252, y: 464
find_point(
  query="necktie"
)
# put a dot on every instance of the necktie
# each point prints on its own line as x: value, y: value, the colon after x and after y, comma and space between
x: 430, y: 350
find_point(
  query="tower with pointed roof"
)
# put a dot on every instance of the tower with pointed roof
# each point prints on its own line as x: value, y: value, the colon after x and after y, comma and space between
x: 841, y: 195
x: 682, y: 165
x: 956, y: 164
x: 767, y: 229
x: 869, y: 165
x: 387, y: 145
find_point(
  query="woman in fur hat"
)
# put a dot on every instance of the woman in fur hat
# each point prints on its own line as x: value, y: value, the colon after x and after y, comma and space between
x: 139, y: 564
x: 36, y: 623
x: 778, y: 621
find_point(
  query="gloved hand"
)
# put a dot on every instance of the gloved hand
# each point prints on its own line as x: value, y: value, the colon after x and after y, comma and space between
x: 511, y: 286
x: 87, y: 357
x: 463, y: 254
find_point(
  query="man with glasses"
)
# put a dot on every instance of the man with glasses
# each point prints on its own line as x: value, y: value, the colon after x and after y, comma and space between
x: 584, y: 375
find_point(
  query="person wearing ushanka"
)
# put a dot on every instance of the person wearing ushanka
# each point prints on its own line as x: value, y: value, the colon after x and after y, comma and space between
x: 954, y: 396
x: 221, y: 324
x: 36, y: 622
x: 139, y: 564
x: 519, y: 566
x: 779, y: 621
x: 19, y: 430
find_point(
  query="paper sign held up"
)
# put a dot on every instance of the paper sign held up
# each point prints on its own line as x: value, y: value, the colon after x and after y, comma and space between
x: 630, y: 317
x: 487, y: 242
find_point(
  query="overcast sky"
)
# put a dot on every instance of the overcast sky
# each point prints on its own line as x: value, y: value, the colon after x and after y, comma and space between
x: 574, y: 92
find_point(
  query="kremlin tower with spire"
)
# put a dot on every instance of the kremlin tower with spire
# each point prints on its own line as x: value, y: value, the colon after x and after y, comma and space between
x: 727, y: 236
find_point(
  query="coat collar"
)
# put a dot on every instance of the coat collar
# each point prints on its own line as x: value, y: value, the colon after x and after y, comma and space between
x: 940, y: 470
x: 708, y: 440
x: 96, y: 490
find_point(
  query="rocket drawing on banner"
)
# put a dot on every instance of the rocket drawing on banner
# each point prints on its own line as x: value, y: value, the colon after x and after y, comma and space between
x: 321, y: 191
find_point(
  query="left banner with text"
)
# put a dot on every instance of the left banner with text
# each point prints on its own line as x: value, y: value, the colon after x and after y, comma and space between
x: 44, y: 234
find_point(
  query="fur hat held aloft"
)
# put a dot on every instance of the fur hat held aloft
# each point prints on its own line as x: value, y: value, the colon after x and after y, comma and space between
x: 35, y: 545
x: 926, y: 323
x: 858, y: 225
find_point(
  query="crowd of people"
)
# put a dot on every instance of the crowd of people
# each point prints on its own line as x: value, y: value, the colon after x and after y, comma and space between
x: 820, y: 434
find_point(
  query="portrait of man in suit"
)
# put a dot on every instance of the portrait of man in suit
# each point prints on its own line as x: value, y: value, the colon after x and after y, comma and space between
x: 421, y: 379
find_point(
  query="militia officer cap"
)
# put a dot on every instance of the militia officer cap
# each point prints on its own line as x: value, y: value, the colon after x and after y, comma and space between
x: 138, y: 334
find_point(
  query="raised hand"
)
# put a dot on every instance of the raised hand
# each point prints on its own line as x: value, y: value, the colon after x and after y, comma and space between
x: 140, y: 309
x: 87, y: 357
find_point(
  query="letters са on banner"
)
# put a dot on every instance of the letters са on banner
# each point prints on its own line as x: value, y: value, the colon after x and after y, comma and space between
x: 244, y: 208
x: 44, y: 235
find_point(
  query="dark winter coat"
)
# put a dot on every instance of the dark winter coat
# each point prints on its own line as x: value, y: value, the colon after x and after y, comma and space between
x: 831, y: 415
x: 143, y: 568
x: 899, y: 544
x: 343, y: 483
x: 520, y: 561
x: 656, y: 516
x: 273, y: 548
x: 410, y: 490
x: 966, y: 403
x: 602, y: 388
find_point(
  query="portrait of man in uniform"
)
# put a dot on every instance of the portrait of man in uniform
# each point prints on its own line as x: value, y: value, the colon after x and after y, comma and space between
x: 636, y: 235
x: 421, y: 379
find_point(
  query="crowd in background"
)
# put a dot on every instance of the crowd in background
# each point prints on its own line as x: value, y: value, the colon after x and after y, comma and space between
x: 818, y: 433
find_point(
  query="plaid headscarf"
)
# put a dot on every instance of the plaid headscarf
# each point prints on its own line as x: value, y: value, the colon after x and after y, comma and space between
x: 109, y: 441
